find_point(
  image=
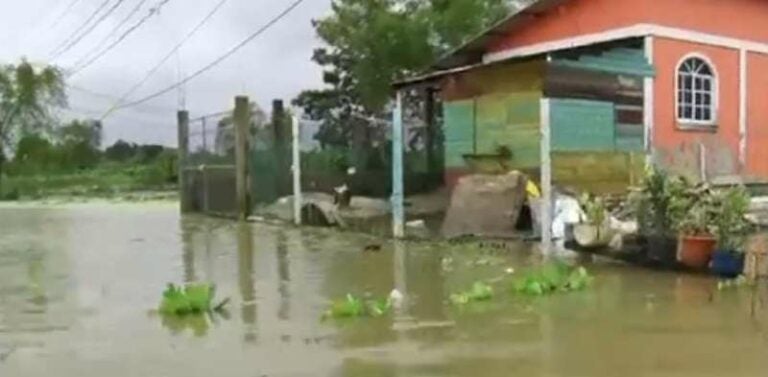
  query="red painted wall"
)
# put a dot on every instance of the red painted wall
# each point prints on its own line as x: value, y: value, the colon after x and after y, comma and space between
x: 679, y: 149
x: 757, y: 120
x: 736, y: 18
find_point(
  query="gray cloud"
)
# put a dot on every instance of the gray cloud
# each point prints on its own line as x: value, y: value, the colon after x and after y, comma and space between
x: 275, y: 65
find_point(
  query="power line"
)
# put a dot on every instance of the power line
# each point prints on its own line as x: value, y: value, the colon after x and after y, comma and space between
x: 216, y: 62
x: 77, y: 31
x: 88, y: 31
x: 152, y: 12
x: 64, y: 13
x: 178, y: 46
x: 112, y: 32
x: 110, y: 97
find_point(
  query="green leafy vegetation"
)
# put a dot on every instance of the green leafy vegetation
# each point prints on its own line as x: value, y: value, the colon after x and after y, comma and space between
x: 726, y: 284
x: 190, y: 299
x: 354, y: 307
x: 551, y: 278
x: 479, y: 292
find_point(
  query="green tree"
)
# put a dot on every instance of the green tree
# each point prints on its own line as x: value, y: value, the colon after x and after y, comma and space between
x: 27, y: 97
x: 81, y: 131
x: 371, y: 43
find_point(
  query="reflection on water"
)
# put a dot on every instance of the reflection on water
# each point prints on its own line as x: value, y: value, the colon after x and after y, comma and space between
x: 75, y: 287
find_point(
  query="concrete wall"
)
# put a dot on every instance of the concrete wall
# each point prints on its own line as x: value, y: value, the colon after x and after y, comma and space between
x: 679, y: 148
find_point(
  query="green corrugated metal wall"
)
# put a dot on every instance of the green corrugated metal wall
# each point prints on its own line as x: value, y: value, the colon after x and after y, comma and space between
x: 580, y: 125
x: 482, y: 125
x: 459, y: 123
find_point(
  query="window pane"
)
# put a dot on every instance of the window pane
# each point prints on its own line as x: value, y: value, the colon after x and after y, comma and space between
x: 687, y: 82
x: 707, y: 99
x: 698, y: 113
x: 698, y: 83
x: 707, y: 114
x: 687, y: 97
x: 699, y: 98
x: 708, y: 85
x: 687, y: 112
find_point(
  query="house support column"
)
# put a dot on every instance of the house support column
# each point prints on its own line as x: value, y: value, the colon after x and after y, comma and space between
x: 546, y: 179
x: 648, y: 102
x: 398, y: 212
x: 743, y: 101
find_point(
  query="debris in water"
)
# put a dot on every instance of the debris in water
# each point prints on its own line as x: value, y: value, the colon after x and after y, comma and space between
x: 396, y: 298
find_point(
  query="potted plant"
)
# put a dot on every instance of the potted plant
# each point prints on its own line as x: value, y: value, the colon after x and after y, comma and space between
x: 592, y: 232
x: 731, y: 232
x: 650, y: 204
x: 694, y: 212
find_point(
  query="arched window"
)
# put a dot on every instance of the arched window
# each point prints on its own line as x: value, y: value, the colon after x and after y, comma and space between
x: 696, y: 92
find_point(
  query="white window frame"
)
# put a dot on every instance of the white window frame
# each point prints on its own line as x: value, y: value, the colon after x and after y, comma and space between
x: 715, y: 94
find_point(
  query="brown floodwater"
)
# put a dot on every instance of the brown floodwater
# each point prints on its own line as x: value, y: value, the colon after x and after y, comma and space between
x: 79, y: 283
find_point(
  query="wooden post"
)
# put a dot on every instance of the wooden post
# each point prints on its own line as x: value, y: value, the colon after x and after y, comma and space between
x: 242, y: 121
x: 182, y: 118
x: 546, y: 179
x: 430, y: 132
x: 296, y: 168
x: 398, y: 212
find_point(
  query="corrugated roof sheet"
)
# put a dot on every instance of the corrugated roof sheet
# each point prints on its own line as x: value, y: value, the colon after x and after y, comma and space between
x: 472, y: 51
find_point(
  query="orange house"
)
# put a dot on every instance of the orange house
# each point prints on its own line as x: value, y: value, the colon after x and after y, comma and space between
x: 682, y: 83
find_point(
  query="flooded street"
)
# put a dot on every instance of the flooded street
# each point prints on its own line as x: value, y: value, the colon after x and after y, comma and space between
x: 79, y: 284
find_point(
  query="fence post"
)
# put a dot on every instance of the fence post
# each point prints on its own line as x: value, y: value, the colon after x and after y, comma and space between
x: 398, y: 213
x: 546, y: 179
x: 297, y: 197
x: 242, y: 122
x: 182, y: 118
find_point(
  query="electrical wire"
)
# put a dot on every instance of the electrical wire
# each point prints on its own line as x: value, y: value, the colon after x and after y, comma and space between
x: 152, y: 12
x: 65, y: 13
x: 170, y: 54
x: 214, y: 63
x: 96, y: 24
x: 56, y: 51
x: 112, y: 32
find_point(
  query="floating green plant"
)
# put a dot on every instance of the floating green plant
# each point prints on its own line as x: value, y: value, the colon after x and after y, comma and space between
x: 190, y: 299
x: 353, y: 307
x: 732, y: 283
x: 553, y: 277
x: 479, y: 292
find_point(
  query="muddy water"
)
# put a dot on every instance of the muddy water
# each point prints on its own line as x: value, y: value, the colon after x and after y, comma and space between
x: 78, y: 285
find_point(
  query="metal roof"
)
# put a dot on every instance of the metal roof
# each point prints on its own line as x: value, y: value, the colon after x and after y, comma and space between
x: 472, y: 52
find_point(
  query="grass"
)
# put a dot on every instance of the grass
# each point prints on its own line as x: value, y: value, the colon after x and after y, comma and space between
x: 103, y: 181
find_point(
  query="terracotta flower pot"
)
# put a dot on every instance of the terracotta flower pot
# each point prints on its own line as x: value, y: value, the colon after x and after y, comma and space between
x: 696, y: 251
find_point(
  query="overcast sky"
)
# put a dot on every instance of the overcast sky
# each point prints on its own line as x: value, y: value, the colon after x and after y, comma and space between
x: 275, y: 65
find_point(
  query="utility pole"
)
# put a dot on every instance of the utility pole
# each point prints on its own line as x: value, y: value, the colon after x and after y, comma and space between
x: 182, y: 118
x: 242, y: 122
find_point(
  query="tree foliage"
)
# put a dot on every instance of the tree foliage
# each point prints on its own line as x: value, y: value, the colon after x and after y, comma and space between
x: 27, y: 97
x: 371, y: 43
